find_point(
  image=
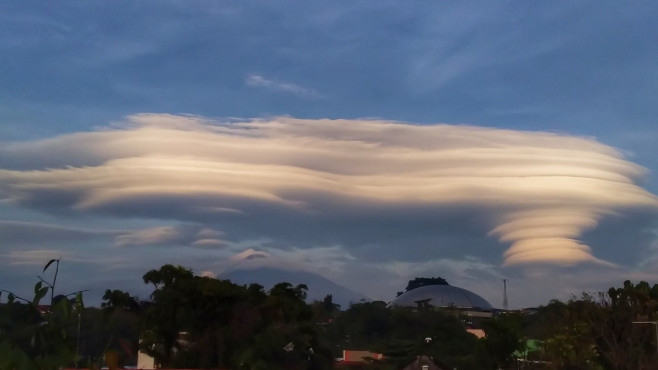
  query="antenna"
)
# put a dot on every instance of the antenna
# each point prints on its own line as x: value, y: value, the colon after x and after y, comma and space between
x: 505, y: 294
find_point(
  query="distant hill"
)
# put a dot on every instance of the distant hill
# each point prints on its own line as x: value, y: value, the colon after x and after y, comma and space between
x: 318, y: 286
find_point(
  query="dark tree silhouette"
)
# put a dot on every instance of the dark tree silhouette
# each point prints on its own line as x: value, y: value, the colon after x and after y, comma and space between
x: 419, y: 282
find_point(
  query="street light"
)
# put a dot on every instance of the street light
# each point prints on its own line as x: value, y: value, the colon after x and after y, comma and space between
x: 655, y: 324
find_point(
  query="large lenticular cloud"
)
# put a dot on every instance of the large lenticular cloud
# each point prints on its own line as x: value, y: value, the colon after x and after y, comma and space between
x: 541, y: 190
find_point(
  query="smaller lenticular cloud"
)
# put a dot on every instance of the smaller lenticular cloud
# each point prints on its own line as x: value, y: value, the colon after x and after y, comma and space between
x: 181, y: 235
x: 260, y: 81
x: 249, y: 254
x: 539, y: 192
x: 155, y: 235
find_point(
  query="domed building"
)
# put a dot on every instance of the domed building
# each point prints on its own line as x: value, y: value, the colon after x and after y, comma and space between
x: 444, y: 296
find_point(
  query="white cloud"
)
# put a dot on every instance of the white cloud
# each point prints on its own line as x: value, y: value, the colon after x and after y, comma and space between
x: 39, y: 257
x: 329, y: 261
x: 206, y: 273
x: 537, y: 191
x: 249, y: 254
x: 207, y: 232
x: 173, y: 235
x: 156, y: 235
x: 25, y: 233
x: 260, y: 81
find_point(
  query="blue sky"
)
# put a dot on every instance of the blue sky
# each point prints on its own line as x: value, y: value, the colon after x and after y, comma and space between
x: 88, y: 85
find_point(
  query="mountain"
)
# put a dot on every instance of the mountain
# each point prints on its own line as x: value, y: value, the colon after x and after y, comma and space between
x: 318, y: 286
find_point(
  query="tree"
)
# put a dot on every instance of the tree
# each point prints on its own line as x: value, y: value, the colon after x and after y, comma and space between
x: 120, y: 317
x: 114, y: 300
x: 325, y: 311
x: 622, y: 344
x: 419, y: 282
x: 201, y: 322
x: 402, y: 334
x: 596, y: 331
x: 165, y: 317
x: 571, y: 343
x: 503, y: 338
x: 31, y: 338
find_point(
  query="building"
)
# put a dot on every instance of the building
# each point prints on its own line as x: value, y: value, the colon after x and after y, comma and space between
x: 422, y: 363
x: 447, y: 297
x: 356, y: 359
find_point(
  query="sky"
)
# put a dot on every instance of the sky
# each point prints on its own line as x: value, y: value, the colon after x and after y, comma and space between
x: 368, y: 142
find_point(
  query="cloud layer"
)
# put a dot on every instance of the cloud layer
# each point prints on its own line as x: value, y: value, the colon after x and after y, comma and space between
x: 536, y: 192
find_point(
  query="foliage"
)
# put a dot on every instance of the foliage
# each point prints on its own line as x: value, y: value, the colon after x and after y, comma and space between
x: 568, y: 341
x: 36, y: 338
x: 597, y: 331
x: 622, y: 344
x: 325, y: 311
x: 202, y: 322
x: 503, y: 338
x: 402, y: 334
x: 119, y: 330
x: 419, y: 282
x: 114, y: 300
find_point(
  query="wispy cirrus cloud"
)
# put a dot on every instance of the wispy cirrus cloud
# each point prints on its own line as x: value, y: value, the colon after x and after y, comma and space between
x: 33, y: 233
x: 288, y: 178
x: 255, y: 80
x: 32, y: 257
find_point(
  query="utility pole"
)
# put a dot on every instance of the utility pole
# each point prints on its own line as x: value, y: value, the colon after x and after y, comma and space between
x: 505, y: 306
x: 78, y: 307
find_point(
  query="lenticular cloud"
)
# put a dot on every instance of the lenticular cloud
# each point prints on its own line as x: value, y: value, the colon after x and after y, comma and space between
x: 540, y: 190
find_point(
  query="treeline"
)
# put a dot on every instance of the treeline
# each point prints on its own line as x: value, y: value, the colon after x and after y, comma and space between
x: 199, y: 322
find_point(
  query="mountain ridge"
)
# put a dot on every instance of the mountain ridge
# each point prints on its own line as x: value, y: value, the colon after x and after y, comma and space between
x: 318, y: 286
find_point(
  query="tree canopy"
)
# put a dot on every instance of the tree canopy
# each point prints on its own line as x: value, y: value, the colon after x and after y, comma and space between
x: 422, y: 281
x: 199, y: 322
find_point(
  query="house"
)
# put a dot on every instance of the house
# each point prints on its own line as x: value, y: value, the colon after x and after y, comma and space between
x: 422, y: 363
x: 357, y: 359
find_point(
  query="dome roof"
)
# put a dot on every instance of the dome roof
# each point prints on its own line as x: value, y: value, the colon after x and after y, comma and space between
x: 442, y: 296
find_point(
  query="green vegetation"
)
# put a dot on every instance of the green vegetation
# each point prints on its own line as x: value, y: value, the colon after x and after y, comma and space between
x: 228, y: 325
x: 199, y: 322
x: 34, y: 337
x: 419, y: 282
